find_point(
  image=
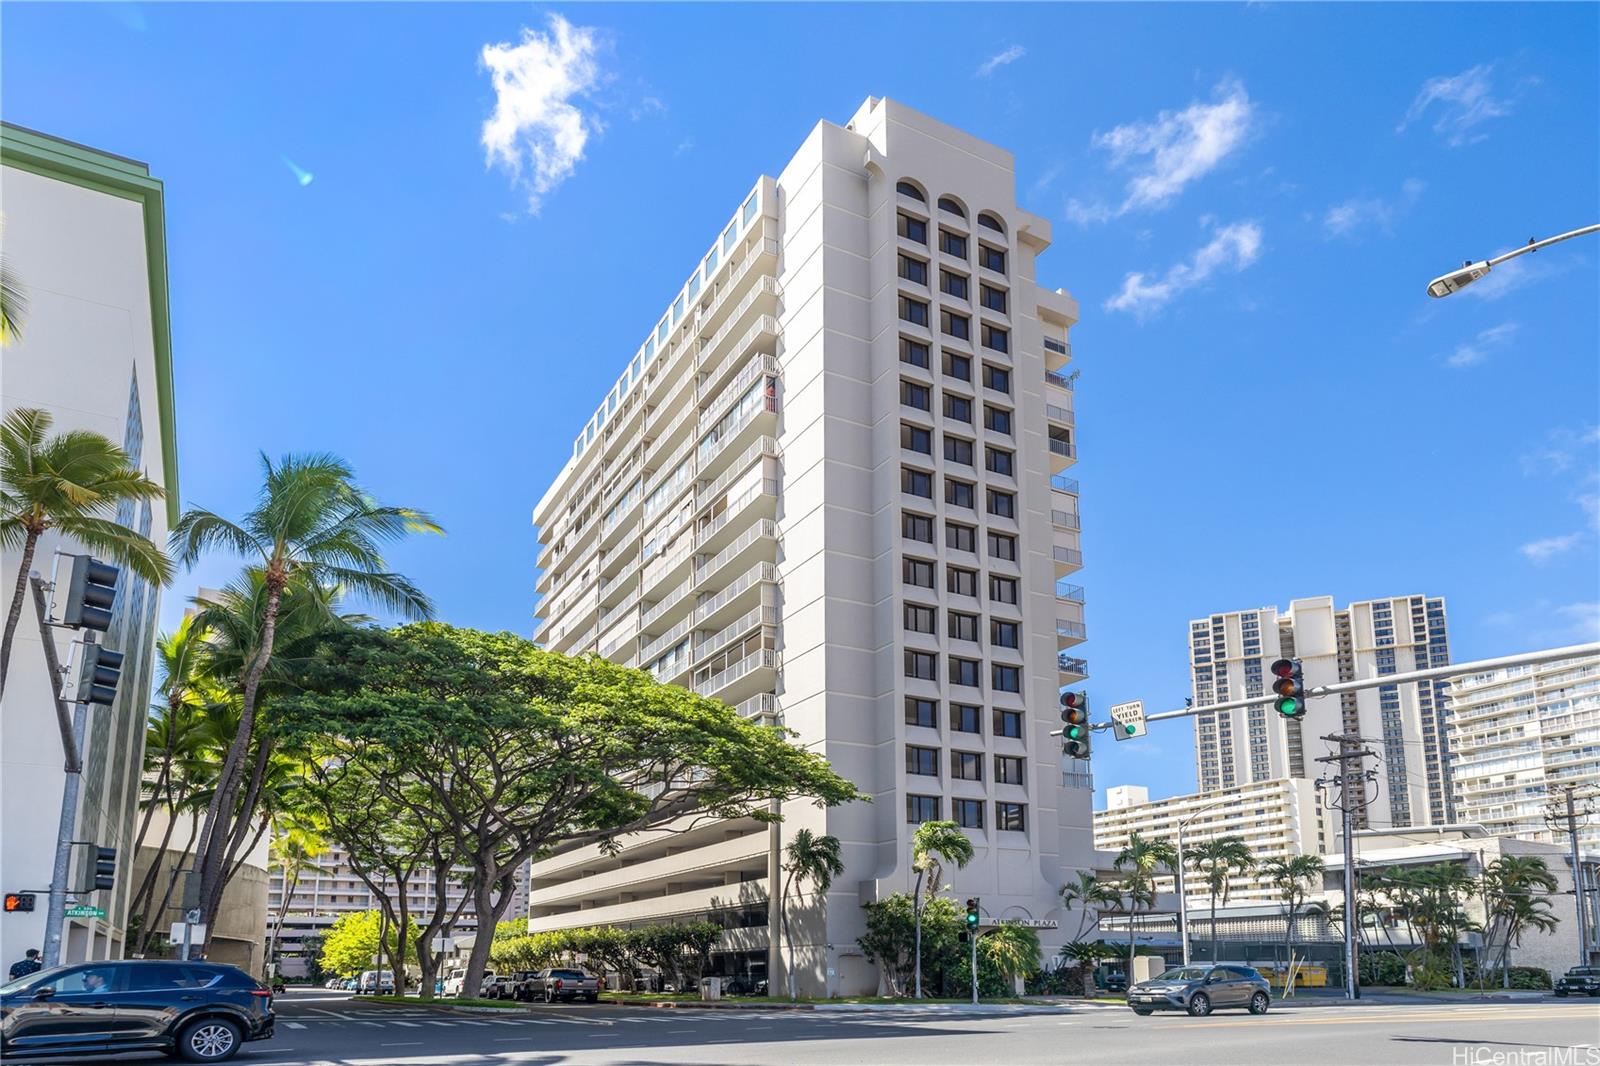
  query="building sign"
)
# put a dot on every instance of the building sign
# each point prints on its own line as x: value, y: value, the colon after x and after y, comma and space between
x: 1031, y: 923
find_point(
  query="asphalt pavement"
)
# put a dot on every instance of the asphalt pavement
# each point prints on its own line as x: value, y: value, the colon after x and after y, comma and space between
x: 323, y: 1029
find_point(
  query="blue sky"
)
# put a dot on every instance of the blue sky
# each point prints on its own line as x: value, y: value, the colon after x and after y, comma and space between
x: 1248, y: 202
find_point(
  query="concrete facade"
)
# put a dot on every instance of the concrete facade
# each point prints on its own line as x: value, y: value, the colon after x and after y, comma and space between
x: 830, y: 490
x: 85, y: 235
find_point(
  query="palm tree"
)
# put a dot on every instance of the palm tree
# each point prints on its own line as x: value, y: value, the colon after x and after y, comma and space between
x: 310, y: 523
x: 1516, y: 898
x: 932, y: 845
x: 811, y: 858
x: 1013, y: 949
x: 71, y: 483
x: 1289, y: 876
x: 294, y: 851
x: 13, y: 306
x: 1217, y: 861
x: 1086, y: 893
x: 1138, y: 860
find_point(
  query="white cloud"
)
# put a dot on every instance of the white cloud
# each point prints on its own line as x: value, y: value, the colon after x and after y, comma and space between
x: 1542, y: 551
x: 1477, y: 350
x: 1357, y: 214
x: 1178, y: 147
x: 538, y: 132
x: 1086, y: 214
x: 1233, y: 247
x: 999, y: 59
x: 1464, y: 102
x: 1561, y: 450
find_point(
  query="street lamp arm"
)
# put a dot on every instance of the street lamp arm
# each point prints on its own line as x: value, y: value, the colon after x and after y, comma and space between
x: 1534, y: 246
x: 1470, y: 271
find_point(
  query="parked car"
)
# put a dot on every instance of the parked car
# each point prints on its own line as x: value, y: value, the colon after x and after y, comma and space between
x: 1201, y: 990
x: 200, y: 1011
x: 1580, y: 980
x: 349, y: 984
x: 563, y: 984
x: 457, y: 977
x: 502, y: 986
x: 333, y: 982
x: 375, y: 982
x: 1116, y: 981
x: 744, y: 985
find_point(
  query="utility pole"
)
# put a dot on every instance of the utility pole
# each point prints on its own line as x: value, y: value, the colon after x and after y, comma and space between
x: 1570, y: 816
x: 1351, y: 760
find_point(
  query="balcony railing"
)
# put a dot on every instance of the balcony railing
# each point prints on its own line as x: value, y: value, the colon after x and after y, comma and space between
x: 764, y: 659
x: 1074, y: 630
x: 766, y: 527
x: 1064, y: 519
x: 1065, y: 591
x: 1059, y: 347
x: 759, y: 572
x: 757, y: 367
x: 657, y: 645
x: 758, y: 616
x: 1062, y: 447
x: 1071, y: 664
x: 762, y: 704
x: 768, y: 487
x: 1062, y: 483
x: 763, y: 446
x: 1060, y: 381
x: 1059, y: 414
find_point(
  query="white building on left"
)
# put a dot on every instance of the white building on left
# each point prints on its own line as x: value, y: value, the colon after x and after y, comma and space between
x: 85, y: 234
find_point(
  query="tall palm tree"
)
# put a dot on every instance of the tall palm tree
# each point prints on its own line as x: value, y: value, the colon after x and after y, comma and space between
x: 1217, y: 861
x: 1516, y: 898
x: 313, y: 523
x: 293, y: 851
x: 1289, y: 876
x: 932, y: 845
x: 71, y: 483
x: 1087, y: 892
x: 13, y: 306
x: 810, y: 858
x: 1138, y: 860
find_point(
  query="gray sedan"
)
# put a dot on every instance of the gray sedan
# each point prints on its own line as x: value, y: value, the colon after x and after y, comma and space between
x: 1200, y: 990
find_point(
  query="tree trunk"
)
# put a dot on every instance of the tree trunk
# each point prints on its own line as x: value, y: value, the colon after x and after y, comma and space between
x: 916, y: 912
x: 172, y: 882
x: 489, y: 909
x: 23, y: 568
x: 147, y: 887
x: 1213, y: 926
x: 788, y: 937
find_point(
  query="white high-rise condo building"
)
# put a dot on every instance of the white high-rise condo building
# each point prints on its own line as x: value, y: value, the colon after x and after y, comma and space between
x: 1518, y: 738
x: 829, y: 489
x: 1230, y: 655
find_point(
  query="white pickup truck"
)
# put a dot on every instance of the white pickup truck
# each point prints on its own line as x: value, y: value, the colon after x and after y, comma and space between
x: 560, y: 984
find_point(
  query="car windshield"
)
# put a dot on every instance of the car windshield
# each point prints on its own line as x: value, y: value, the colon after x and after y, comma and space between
x: 17, y: 984
x: 572, y: 974
x: 1584, y: 971
x: 1184, y: 973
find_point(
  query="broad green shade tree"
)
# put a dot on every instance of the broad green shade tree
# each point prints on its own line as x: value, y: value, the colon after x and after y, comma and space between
x: 71, y: 483
x: 311, y: 523
x: 1217, y: 861
x: 352, y: 941
x: 813, y: 858
x: 932, y: 845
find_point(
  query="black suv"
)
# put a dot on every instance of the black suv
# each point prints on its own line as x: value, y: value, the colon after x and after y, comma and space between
x: 1579, y: 981
x: 198, y: 1010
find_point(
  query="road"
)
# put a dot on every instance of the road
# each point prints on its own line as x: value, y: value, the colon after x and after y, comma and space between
x: 320, y: 1029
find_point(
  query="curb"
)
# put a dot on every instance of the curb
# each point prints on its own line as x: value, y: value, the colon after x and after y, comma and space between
x: 706, y: 1004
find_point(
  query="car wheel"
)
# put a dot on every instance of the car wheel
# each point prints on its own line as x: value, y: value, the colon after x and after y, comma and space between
x: 1142, y: 1011
x: 1259, y: 1003
x: 1594, y: 992
x: 1200, y: 1005
x: 210, y: 1040
x: 549, y: 996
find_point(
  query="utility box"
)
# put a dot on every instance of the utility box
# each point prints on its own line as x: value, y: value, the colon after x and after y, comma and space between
x: 1145, y: 968
x: 710, y: 988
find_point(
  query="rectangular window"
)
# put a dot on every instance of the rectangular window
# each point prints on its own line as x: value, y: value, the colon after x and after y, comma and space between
x: 958, y: 366
x: 1007, y: 770
x: 961, y: 581
x: 992, y: 258
x: 966, y: 766
x: 958, y: 326
x: 1003, y: 634
x: 919, y: 572
x: 919, y: 619
x: 958, y: 408
x: 953, y: 284
x: 1003, y: 504
x: 997, y: 419
x: 1008, y: 724
x: 996, y: 338
x: 914, y: 270
x: 962, y: 626
x: 913, y: 352
x: 916, y: 482
x: 917, y: 439
x: 992, y: 298
x: 924, y: 762
x: 966, y: 718
x: 999, y: 461
x: 1003, y: 546
x: 952, y: 244
x: 959, y: 493
x: 964, y: 672
x: 921, y: 809
x: 997, y: 378
x: 957, y: 450
x: 1011, y: 817
x: 917, y: 527
x: 922, y: 712
x: 918, y: 396
x: 1006, y: 678
x: 1003, y: 589
x: 912, y: 229
x: 960, y: 538
x: 914, y: 311
x: 922, y: 665
x: 969, y: 813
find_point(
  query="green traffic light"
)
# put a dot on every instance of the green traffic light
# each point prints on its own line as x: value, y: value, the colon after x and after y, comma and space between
x: 1074, y: 732
x: 1288, y: 707
x: 1130, y: 729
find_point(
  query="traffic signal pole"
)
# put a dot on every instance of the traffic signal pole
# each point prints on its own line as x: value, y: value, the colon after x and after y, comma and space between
x: 56, y: 915
x: 1352, y: 762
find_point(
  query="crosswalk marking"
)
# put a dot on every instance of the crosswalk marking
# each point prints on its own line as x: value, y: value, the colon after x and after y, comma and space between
x: 295, y: 1025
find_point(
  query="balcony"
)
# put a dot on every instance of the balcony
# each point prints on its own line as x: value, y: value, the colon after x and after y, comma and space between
x: 1069, y: 633
x: 721, y: 856
x: 1064, y: 519
x: 1073, y: 668
x: 713, y: 611
x: 1067, y: 560
x: 1060, y: 415
x: 1062, y: 483
x: 1059, y: 380
x: 679, y: 906
x: 714, y: 531
x: 1072, y: 593
x: 705, y: 569
x: 717, y: 684
x: 758, y: 616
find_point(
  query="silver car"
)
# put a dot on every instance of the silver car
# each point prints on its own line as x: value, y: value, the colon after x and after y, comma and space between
x: 1199, y: 990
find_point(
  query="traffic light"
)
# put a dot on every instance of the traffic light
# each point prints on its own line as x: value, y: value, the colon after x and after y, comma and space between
x: 972, y: 915
x: 19, y: 901
x: 1290, y: 687
x: 91, y: 591
x: 98, y: 677
x: 105, y: 869
x: 1075, y: 724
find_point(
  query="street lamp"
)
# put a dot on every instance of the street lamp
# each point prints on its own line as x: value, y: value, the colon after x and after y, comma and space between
x: 1445, y: 284
x: 1183, y: 899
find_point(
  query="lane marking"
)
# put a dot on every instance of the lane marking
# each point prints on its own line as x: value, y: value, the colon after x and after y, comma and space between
x: 408, y: 1025
x: 403, y: 1043
x: 295, y: 1025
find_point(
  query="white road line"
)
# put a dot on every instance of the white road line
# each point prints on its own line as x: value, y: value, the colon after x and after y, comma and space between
x: 463, y: 1021
x: 295, y: 1025
x: 375, y: 1025
x: 671, y: 1031
x: 404, y: 1043
x: 408, y: 1025
x: 445, y: 1024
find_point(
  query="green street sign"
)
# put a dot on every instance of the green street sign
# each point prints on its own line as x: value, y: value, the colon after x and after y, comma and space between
x: 83, y: 910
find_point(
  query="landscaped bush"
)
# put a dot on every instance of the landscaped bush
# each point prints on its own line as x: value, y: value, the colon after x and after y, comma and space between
x: 1525, y: 978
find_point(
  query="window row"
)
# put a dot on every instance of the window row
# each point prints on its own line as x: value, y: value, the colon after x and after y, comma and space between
x: 953, y: 324
x: 958, y: 493
x: 958, y: 579
x: 962, y: 450
x: 968, y: 813
x: 966, y: 718
x: 951, y: 243
x: 964, y: 765
x: 954, y: 284
x: 948, y: 203
x: 955, y: 407
x: 924, y: 665
x: 956, y: 365
x: 958, y: 537
x: 960, y: 626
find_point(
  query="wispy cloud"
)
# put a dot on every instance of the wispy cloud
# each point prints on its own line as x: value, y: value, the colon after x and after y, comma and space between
x: 1233, y: 247
x: 1169, y: 152
x: 1516, y: 274
x: 1478, y: 349
x: 1548, y: 623
x: 539, y: 131
x: 998, y: 60
x: 1573, y: 456
x: 1562, y: 449
x: 1355, y: 216
x: 1542, y: 551
x: 1460, y: 104
x: 684, y: 147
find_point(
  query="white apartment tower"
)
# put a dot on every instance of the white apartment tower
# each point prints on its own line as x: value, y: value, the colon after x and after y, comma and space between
x: 1230, y: 655
x: 829, y: 489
